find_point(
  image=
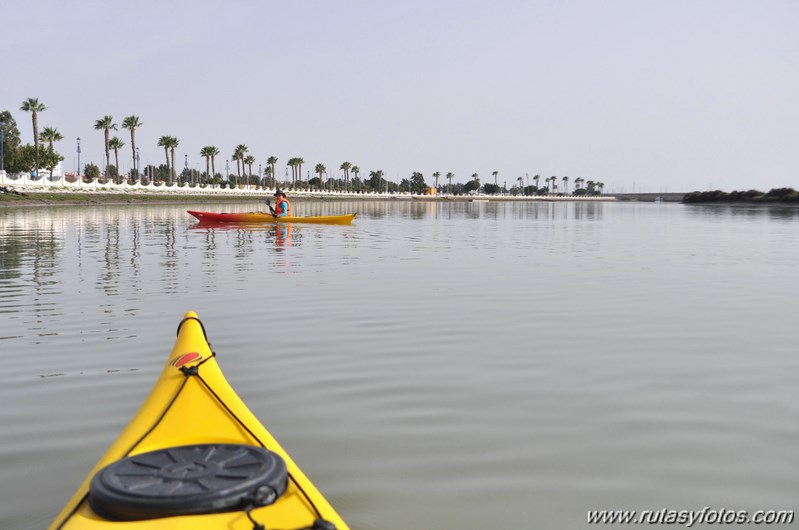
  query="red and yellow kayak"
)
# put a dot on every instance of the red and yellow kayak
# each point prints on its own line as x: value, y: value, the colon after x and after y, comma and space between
x: 195, y: 457
x: 261, y: 217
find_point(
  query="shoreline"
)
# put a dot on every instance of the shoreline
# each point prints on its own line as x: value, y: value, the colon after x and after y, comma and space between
x: 10, y: 198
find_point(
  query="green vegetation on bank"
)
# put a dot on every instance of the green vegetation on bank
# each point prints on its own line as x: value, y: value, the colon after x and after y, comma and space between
x: 779, y: 195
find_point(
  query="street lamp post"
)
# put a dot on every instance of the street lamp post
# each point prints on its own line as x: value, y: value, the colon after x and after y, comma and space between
x: 138, y: 167
x: 78, y: 171
x: 186, y: 168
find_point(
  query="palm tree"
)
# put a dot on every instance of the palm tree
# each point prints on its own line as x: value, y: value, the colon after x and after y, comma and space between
x: 346, y: 167
x: 173, y: 143
x: 536, y: 179
x: 565, y: 184
x: 213, y: 151
x: 33, y: 106
x: 50, y: 135
x: 206, y: 152
x: 116, y: 144
x: 238, y: 156
x: 249, y: 160
x: 292, y: 163
x: 320, y: 170
x: 164, y: 142
x: 436, y: 176
x: 495, y: 173
x: 416, y: 183
x: 106, y: 123
x: 299, y: 162
x: 449, y: 176
x: 272, y: 160
x: 132, y: 123
x: 376, y: 177
x: 521, y: 185
x: 356, y: 170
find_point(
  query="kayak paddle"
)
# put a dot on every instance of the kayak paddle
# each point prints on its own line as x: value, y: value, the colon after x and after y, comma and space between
x: 269, y: 204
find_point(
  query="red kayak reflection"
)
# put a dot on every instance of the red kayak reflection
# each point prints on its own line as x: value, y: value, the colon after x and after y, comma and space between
x: 281, y: 234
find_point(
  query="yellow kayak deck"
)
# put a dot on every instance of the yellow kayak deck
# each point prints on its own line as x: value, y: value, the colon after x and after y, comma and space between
x: 193, y: 408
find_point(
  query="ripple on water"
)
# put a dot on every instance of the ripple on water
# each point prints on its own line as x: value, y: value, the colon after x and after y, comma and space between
x: 512, y: 361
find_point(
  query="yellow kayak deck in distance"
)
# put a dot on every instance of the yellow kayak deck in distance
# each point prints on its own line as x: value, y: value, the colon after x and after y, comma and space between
x: 195, y: 457
x: 262, y: 217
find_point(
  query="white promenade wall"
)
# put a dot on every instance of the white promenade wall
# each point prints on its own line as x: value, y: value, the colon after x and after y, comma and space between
x: 25, y: 184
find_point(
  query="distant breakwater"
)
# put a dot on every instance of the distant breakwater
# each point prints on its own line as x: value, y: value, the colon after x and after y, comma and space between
x: 773, y: 196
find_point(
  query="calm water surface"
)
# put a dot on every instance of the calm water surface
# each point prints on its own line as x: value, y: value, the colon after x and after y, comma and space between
x: 433, y: 366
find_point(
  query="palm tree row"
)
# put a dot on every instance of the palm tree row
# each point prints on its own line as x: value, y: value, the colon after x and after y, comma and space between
x: 245, y: 161
x: 106, y: 124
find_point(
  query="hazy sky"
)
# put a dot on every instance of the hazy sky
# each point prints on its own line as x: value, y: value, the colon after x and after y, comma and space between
x: 655, y: 95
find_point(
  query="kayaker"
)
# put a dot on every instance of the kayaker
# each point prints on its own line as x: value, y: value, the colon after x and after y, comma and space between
x: 283, y: 206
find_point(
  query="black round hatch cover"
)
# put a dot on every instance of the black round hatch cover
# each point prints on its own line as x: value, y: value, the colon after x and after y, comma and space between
x: 188, y: 480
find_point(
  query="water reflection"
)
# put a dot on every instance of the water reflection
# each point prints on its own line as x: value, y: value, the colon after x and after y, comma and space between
x: 448, y: 209
x: 588, y: 210
x: 577, y: 344
x: 283, y: 236
x: 53, y: 259
x: 112, y: 246
x: 422, y: 209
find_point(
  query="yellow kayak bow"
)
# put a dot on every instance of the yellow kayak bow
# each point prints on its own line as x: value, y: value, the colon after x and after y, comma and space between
x: 195, y: 457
